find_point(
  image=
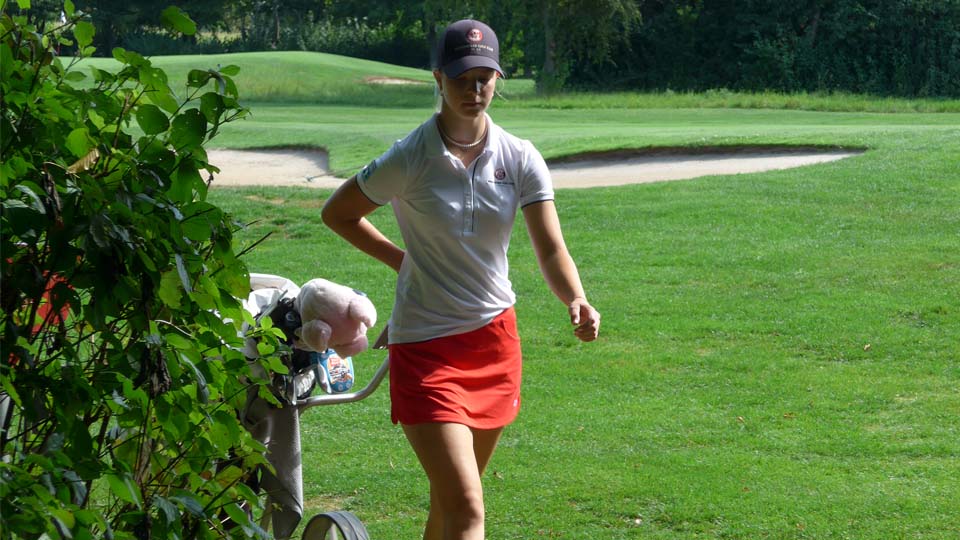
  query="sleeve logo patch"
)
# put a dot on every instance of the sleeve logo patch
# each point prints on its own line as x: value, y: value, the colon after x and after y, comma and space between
x: 368, y: 171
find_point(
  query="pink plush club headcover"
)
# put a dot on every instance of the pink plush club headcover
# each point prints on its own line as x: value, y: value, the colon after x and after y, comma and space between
x: 334, y: 316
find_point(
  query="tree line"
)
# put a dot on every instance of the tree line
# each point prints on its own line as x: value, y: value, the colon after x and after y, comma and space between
x: 882, y: 47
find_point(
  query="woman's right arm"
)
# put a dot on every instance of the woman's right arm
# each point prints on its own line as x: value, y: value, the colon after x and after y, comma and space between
x: 345, y: 211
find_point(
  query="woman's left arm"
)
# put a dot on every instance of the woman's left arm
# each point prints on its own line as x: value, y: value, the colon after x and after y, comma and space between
x: 558, y: 268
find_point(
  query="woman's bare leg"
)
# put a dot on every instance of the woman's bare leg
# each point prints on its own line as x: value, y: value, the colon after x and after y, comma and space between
x: 484, y: 443
x: 453, y: 456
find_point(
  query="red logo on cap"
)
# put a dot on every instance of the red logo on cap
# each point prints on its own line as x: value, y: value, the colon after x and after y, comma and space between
x: 475, y: 35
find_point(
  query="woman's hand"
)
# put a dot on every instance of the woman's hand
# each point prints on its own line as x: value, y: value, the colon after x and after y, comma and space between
x: 585, y: 319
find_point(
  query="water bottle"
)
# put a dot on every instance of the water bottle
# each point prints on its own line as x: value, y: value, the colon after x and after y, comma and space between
x: 339, y: 371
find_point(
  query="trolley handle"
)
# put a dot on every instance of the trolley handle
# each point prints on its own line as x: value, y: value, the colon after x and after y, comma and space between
x: 334, y: 399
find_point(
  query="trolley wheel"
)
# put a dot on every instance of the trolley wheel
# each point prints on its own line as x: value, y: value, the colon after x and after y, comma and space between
x: 335, y: 526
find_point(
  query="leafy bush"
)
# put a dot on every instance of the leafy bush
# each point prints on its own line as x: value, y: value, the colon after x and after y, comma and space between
x: 154, y: 43
x: 385, y: 42
x: 887, y: 48
x: 122, y: 371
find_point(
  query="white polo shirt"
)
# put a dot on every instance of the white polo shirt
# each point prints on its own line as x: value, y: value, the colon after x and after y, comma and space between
x: 456, y: 223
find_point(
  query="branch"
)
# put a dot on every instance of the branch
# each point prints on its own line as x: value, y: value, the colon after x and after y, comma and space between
x: 255, y: 244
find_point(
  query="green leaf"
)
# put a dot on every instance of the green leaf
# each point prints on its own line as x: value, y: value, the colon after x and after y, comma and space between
x: 88, y: 518
x: 153, y: 77
x: 146, y: 260
x: 130, y: 58
x: 75, y: 76
x: 96, y: 119
x: 178, y: 341
x: 69, y: 9
x: 11, y: 391
x: 186, y: 181
x: 237, y: 514
x: 196, y: 78
x: 190, y: 504
x: 274, y: 363
x: 168, y: 510
x: 124, y: 489
x: 231, y: 70
x: 231, y: 88
x: 154, y: 152
x: 134, y: 394
x: 100, y: 75
x: 84, y: 31
x: 152, y: 120
x: 35, y: 202
x: 200, y: 219
x: 164, y: 100
x: 203, y: 393
x: 24, y: 4
x: 183, y: 273
x: 196, y: 229
x: 65, y: 517
x: 176, y: 19
x: 6, y: 61
x: 78, y: 142
x: 188, y: 130
x: 211, y: 105
x: 230, y: 474
x: 170, y: 291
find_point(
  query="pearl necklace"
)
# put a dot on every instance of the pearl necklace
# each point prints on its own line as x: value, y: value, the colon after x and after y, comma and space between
x: 461, y: 146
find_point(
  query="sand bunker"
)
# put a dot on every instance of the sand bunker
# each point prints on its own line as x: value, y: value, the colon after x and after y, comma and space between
x: 392, y: 81
x: 641, y: 169
x: 273, y: 167
x: 309, y: 167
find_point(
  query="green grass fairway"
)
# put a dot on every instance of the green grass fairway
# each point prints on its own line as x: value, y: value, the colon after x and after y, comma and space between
x: 779, y: 353
x: 319, y: 78
x: 308, y: 77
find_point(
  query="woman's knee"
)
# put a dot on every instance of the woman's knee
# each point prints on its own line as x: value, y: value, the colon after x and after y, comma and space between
x: 462, y: 506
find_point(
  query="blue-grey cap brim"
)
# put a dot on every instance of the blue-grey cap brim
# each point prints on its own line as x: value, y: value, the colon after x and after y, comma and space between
x: 458, y: 67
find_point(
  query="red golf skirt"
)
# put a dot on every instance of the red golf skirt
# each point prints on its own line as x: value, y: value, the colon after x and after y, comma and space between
x: 471, y: 378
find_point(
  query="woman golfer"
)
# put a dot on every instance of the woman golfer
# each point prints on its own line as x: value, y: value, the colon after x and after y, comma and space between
x: 455, y: 184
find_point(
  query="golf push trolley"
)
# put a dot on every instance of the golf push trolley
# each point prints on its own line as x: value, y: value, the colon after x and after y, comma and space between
x: 278, y: 428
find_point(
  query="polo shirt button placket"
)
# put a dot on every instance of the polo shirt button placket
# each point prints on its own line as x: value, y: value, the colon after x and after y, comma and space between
x: 470, y: 195
x: 468, y: 203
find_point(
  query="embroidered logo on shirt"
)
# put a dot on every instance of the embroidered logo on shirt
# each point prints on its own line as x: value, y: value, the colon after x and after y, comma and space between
x: 500, y: 176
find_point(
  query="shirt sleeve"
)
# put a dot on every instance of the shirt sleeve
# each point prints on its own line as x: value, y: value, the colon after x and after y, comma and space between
x: 384, y: 177
x: 536, y: 184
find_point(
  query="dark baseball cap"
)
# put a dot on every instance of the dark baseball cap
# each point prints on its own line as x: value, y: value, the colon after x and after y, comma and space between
x: 468, y: 44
